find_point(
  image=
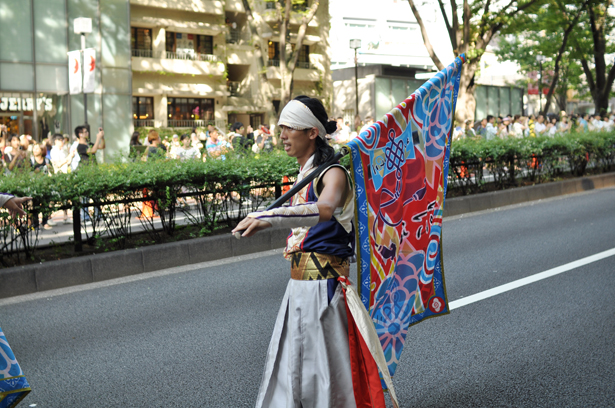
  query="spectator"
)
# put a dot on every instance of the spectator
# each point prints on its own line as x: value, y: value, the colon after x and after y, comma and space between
x: 174, y: 146
x: 186, y: 151
x: 134, y: 139
x: 342, y: 134
x: 368, y: 122
x: 236, y: 137
x: 26, y: 143
x: 563, y: 126
x: 216, y: 145
x: 156, y: 149
x: 60, y: 159
x: 539, y: 127
x: 84, y: 150
x: 14, y: 155
x: 480, y: 127
x: 518, y: 127
x: 503, y: 127
x: 531, y: 126
x: 491, y: 131
x: 551, y: 127
x: 210, y: 127
x: 38, y: 162
x: 265, y: 142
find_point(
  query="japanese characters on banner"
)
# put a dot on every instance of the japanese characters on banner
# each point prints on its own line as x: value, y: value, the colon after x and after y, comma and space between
x: 74, y: 72
x: 89, y: 66
x: 76, y: 83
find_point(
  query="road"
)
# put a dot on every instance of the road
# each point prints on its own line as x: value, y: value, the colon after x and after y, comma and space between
x: 197, y: 336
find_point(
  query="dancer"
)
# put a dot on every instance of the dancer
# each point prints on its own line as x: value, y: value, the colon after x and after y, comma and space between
x: 310, y: 361
x: 13, y: 384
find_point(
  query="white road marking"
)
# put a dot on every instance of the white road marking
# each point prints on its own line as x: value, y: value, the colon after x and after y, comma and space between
x: 530, y: 279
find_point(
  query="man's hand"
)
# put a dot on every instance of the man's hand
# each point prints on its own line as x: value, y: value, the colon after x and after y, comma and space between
x: 15, y: 206
x: 251, y: 227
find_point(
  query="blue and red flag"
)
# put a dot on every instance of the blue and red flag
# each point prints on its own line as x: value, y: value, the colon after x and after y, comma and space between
x: 13, y: 384
x: 400, y: 167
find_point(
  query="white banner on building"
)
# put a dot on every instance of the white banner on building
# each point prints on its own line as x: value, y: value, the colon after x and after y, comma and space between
x: 74, y: 72
x: 89, y: 66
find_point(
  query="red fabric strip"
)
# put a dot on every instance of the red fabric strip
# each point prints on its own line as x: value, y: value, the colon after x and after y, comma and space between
x: 365, y: 378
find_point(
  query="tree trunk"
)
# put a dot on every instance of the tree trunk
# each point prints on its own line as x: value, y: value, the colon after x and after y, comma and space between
x: 466, y: 102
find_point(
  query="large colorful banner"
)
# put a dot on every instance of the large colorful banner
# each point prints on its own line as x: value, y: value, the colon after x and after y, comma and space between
x: 400, y: 167
x: 13, y: 384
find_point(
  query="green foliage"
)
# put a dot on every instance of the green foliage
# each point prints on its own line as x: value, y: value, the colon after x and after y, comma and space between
x: 512, y: 161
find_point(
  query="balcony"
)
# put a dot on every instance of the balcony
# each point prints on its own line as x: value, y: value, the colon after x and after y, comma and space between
x: 300, y: 64
x: 142, y: 53
x: 177, y: 62
x: 201, y: 6
x: 189, y: 56
x: 143, y: 122
x: 239, y: 36
x: 220, y: 124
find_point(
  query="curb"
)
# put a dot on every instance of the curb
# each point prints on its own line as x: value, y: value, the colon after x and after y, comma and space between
x: 22, y: 280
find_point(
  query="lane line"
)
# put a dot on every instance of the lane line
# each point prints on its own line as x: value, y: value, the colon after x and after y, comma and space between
x: 455, y: 304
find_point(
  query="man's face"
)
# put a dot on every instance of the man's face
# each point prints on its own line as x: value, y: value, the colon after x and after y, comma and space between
x: 540, y: 119
x: 295, y: 142
x: 483, y: 122
x: 59, y: 143
x: 84, y: 134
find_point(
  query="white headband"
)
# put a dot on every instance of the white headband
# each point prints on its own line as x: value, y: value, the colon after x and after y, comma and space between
x: 296, y: 115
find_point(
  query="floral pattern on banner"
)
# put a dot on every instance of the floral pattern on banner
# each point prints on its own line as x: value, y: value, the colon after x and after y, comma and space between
x: 400, y: 166
x: 13, y: 385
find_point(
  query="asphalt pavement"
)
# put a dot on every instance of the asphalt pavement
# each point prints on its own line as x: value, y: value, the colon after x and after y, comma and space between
x: 197, y: 336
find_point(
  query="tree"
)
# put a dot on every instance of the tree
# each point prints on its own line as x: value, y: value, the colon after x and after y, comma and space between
x: 289, y: 55
x: 591, y: 42
x: 546, y: 33
x: 470, y: 34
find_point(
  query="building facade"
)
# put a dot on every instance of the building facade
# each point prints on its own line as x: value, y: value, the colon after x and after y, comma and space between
x: 199, y: 62
x: 162, y: 63
x: 34, y: 41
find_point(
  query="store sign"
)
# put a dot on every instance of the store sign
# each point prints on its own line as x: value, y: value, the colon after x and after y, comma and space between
x: 27, y: 104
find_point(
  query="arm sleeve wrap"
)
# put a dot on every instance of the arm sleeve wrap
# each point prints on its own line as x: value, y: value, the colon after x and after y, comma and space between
x: 4, y: 198
x: 303, y: 215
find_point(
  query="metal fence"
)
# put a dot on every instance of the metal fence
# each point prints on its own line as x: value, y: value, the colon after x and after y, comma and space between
x: 220, y: 124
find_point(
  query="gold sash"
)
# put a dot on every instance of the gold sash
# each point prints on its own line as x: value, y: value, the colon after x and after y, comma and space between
x: 313, y: 266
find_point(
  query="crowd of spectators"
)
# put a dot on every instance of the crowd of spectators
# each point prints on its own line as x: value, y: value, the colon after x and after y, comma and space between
x: 517, y: 126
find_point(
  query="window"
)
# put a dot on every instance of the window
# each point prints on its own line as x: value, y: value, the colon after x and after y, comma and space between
x: 274, y: 55
x: 204, y: 44
x: 170, y: 41
x: 142, y: 107
x: 359, y: 23
x: 190, y: 109
x: 140, y: 39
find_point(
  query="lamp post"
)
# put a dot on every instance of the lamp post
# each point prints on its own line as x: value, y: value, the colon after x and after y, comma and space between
x: 83, y: 26
x: 540, y: 59
x: 356, y: 44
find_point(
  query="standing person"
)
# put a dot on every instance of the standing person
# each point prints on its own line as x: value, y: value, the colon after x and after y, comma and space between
x: 216, y: 145
x: 39, y: 164
x: 84, y: 154
x: 155, y: 149
x: 85, y: 151
x: 539, y: 127
x: 342, y: 134
x: 308, y: 363
x: 240, y: 143
x: 265, y: 142
x: 518, y: 127
x: 59, y: 157
x: 15, y: 157
x: 491, y: 131
x: 186, y: 151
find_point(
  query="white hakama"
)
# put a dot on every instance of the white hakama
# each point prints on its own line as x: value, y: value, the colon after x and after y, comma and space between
x: 308, y: 361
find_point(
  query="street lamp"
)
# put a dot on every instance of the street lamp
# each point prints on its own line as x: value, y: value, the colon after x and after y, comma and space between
x: 83, y: 26
x: 356, y: 44
x: 540, y: 59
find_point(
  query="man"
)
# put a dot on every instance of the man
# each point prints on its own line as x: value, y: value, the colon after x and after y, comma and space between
x: 83, y: 151
x: 540, y: 127
x: 310, y: 340
x: 84, y: 154
x: 216, y: 146
x: 240, y: 143
x: 490, y: 130
x: 264, y: 141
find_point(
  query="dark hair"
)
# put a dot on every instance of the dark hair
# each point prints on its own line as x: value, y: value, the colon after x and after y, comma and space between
x: 12, y: 136
x: 184, y: 136
x: 58, y: 136
x: 79, y: 129
x: 323, y: 150
x: 236, y: 126
x: 134, y: 139
x: 489, y: 117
